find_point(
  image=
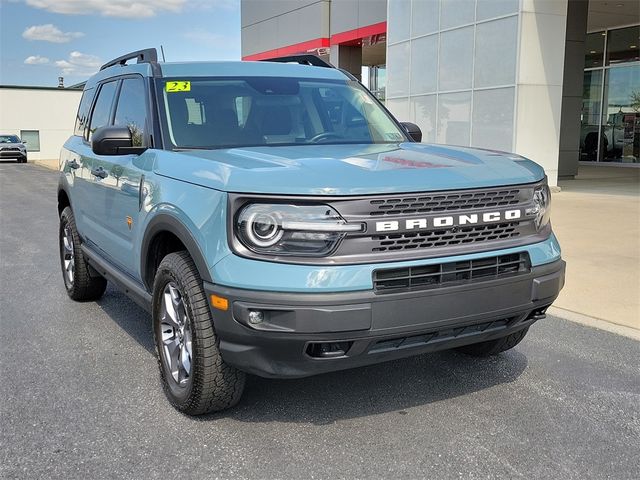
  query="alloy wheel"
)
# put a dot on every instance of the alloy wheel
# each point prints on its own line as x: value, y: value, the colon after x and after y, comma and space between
x: 68, y: 256
x: 175, y: 329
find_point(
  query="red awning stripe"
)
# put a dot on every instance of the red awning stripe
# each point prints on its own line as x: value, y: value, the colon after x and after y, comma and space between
x: 358, y: 33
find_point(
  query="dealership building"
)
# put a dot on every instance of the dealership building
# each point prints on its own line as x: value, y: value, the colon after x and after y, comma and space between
x: 557, y: 81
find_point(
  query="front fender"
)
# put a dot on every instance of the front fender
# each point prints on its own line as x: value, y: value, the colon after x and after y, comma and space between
x: 195, y: 215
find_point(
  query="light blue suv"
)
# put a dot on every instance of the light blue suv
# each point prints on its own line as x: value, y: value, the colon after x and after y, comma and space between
x: 276, y: 220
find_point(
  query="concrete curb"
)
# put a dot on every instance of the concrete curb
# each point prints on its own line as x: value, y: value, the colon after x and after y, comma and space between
x: 594, y: 322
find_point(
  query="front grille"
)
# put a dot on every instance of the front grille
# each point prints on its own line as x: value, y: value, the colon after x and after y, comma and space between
x: 444, y: 238
x: 10, y: 149
x: 444, y: 202
x: 441, y: 274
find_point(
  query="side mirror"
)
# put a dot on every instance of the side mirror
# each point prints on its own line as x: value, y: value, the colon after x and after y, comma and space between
x: 114, y: 140
x: 413, y: 130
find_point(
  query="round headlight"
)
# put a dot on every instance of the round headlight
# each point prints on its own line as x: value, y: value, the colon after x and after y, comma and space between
x: 263, y: 229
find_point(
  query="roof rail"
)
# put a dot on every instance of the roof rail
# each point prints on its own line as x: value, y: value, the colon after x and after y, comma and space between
x: 148, y: 55
x: 305, y: 59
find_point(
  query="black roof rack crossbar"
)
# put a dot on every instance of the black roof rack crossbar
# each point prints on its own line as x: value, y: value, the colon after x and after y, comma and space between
x: 306, y: 59
x: 148, y: 55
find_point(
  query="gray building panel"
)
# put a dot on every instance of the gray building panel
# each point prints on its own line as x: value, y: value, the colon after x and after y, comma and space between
x: 254, y: 11
x: 275, y: 24
x: 371, y: 12
x: 349, y: 15
x: 344, y: 15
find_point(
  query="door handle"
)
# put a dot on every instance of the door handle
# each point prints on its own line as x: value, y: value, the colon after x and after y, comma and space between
x: 73, y: 164
x: 99, y: 172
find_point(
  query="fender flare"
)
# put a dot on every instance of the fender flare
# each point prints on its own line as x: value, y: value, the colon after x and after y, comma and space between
x: 168, y: 223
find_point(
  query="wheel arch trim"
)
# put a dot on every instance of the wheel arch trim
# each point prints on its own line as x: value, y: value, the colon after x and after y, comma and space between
x: 164, y: 222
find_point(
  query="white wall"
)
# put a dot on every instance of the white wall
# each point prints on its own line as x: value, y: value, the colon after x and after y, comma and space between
x: 50, y: 111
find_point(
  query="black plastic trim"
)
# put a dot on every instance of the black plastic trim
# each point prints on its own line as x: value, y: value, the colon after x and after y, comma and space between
x: 168, y: 223
x: 128, y: 285
x: 147, y: 55
x: 311, y: 60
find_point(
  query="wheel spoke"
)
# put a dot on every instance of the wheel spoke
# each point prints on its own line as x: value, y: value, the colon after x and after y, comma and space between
x: 172, y: 353
x: 169, y: 311
x: 185, y: 362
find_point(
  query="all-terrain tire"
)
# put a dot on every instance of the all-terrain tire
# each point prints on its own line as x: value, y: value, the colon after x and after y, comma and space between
x: 81, y: 285
x: 493, y: 347
x: 212, y: 385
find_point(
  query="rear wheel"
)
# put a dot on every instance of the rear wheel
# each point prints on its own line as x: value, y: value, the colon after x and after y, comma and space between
x: 80, y: 284
x: 493, y: 347
x: 195, y: 378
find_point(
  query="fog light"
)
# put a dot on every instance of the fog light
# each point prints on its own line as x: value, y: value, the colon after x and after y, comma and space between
x: 256, y: 317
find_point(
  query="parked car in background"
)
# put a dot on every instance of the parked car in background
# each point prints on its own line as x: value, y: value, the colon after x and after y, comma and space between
x: 11, y: 147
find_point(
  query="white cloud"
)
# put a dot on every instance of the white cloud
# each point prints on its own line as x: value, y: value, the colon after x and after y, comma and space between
x: 110, y: 8
x: 49, y: 33
x: 36, y: 60
x: 79, y: 64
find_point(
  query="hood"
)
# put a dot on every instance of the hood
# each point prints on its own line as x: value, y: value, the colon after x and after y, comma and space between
x: 347, y: 169
x: 12, y: 145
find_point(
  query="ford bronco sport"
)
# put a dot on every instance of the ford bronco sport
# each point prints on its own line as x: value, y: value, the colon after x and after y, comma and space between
x: 277, y: 220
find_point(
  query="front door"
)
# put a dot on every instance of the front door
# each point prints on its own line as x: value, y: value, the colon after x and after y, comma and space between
x: 120, y: 202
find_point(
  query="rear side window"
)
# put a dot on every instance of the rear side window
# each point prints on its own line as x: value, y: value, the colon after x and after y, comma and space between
x: 102, y: 110
x: 82, y: 119
x: 131, y: 110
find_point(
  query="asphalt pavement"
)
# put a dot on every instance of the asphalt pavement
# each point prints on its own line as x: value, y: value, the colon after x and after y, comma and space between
x: 80, y: 395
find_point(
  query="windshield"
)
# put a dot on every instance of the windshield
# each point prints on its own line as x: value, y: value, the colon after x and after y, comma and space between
x: 9, y: 139
x: 222, y: 113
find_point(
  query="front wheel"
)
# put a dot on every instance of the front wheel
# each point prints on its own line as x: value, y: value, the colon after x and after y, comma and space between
x: 194, y: 376
x: 493, y: 347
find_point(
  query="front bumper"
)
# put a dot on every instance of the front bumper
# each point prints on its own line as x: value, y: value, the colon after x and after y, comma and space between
x: 17, y: 155
x: 369, y: 327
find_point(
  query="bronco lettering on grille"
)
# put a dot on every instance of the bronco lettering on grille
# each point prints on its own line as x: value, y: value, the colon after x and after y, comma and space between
x: 447, y: 221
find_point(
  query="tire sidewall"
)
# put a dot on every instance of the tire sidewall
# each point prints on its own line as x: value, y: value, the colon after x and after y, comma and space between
x: 179, y: 395
x: 66, y: 219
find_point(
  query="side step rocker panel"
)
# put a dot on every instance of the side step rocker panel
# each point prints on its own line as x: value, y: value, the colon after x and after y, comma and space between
x: 128, y: 285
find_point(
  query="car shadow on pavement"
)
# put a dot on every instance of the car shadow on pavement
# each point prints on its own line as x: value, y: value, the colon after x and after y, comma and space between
x: 130, y: 317
x: 324, y: 399
x: 391, y: 386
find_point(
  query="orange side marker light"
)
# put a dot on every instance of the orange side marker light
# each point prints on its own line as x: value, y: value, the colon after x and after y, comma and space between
x: 219, y: 302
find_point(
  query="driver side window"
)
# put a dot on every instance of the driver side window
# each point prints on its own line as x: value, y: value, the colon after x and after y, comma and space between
x: 131, y: 110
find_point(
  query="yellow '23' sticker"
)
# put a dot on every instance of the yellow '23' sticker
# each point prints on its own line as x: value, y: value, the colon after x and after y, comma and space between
x: 180, y: 86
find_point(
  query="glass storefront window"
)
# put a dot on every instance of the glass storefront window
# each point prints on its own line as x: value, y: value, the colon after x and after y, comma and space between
x: 621, y: 119
x: 610, y: 119
x: 622, y: 45
x: 594, y: 50
x: 590, y: 116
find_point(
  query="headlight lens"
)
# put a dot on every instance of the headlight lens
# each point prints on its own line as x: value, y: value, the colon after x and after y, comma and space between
x: 541, y: 206
x: 279, y: 229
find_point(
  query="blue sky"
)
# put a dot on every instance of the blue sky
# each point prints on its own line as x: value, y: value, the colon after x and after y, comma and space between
x: 43, y: 39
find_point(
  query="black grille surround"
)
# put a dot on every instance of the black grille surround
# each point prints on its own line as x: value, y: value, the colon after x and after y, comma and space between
x: 445, y: 238
x: 451, y: 273
x: 444, y: 202
x: 374, y: 246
